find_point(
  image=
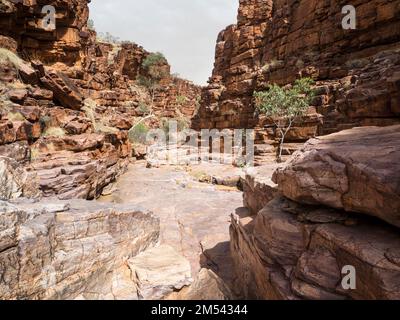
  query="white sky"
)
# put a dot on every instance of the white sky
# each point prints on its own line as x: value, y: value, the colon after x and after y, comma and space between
x: 185, y: 31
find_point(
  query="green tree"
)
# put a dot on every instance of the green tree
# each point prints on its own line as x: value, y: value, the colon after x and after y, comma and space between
x: 155, y: 70
x: 285, y: 105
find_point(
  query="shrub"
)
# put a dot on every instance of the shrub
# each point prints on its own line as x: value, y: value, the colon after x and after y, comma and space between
x: 180, y: 100
x: 107, y: 38
x: 154, y: 66
x: 98, y: 126
x: 44, y: 122
x: 154, y: 59
x: 138, y: 133
x: 90, y: 25
x: 272, y: 65
x: 54, y: 132
x: 285, y: 105
x: 15, y: 116
x: 8, y: 56
x: 143, y: 108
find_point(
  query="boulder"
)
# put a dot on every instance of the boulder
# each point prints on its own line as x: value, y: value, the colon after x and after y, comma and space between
x: 64, y: 90
x: 160, y: 271
x: 258, y: 188
x: 356, y: 170
x: 16, y: 182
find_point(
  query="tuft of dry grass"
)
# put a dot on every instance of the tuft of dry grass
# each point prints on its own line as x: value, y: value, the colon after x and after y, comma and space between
x: 15, y: 116
x: 8, y: 56
x: 54, y: 132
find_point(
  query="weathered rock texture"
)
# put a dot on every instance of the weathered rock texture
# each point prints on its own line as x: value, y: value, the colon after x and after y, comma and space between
x: 277, y: 41
x: 258, y: 187
x: 356, y: 170
x: 68, y: 100
x: 65, y: 250
x: 292, y: 251
x: 296, y: 250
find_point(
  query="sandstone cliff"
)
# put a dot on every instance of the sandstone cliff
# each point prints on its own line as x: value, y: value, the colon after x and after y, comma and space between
x: 69, y: 99
x: 276, y: 41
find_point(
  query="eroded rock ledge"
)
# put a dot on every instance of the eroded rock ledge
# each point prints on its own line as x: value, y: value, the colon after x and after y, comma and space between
x: 296, y: 250
x: 65, y: 250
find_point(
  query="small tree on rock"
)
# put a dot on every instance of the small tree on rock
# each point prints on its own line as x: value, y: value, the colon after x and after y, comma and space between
x: 285, y: 105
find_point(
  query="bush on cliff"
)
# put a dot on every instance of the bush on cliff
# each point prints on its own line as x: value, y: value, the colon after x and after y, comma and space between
x: 10, y: 57
x: 155, y: 70
x: 284, y: 105
x: 138, y: 133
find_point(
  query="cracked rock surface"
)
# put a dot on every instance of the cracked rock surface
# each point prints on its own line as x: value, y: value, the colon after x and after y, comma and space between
x: 56, y: 249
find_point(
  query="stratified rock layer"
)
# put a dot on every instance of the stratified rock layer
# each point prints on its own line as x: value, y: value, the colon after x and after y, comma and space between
x: 65, y: 250
x: 357, y: 170
x: 292, y: 251
x: 297, y: 250
x: 68, y: 100
x: 278, y: 41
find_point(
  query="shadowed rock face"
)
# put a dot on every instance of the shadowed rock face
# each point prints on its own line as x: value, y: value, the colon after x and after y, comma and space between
x: 278, y: 41
x: 292, y: 251
x: 59, y: 250
x: 297, y: 249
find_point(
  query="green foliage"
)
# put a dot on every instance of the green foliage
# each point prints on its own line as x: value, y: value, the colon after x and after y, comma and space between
x: 154, y: 66
x: 284, y: 105
x: 90, y: 24
x: 180, y: 100
x: 285, y: 102
x: 155, y: 69
x: 154, y: 59
x: 138, y: 133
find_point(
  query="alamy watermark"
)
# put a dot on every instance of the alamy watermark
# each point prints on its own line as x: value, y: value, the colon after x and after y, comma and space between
x: 193, y: 147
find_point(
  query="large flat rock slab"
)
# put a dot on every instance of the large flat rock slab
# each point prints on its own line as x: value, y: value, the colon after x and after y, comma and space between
x: 356, y: 170
x: 70, y: 249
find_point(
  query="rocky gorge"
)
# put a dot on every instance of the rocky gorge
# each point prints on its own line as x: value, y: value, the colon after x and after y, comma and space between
x: 87, y: 213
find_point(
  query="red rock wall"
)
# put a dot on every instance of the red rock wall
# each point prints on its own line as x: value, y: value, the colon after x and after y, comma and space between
x: 21, y: 20
x: 85, y: 150
x: 358, y: 71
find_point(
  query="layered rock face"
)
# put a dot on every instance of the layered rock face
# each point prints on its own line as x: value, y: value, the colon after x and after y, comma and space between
x: 63, y: 250
x: 299, y: 249
x: 22, y: 21
x: 68, y: 100
x: 274, y: 41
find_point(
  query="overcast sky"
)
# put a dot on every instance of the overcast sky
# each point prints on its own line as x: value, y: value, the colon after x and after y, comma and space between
x: 185, y: 31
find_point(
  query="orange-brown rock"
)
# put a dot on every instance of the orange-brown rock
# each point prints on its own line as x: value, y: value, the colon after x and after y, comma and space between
x: 276, y: 41
x: 291, y: 251
x: 356, y: 170
x: 298, y: 249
